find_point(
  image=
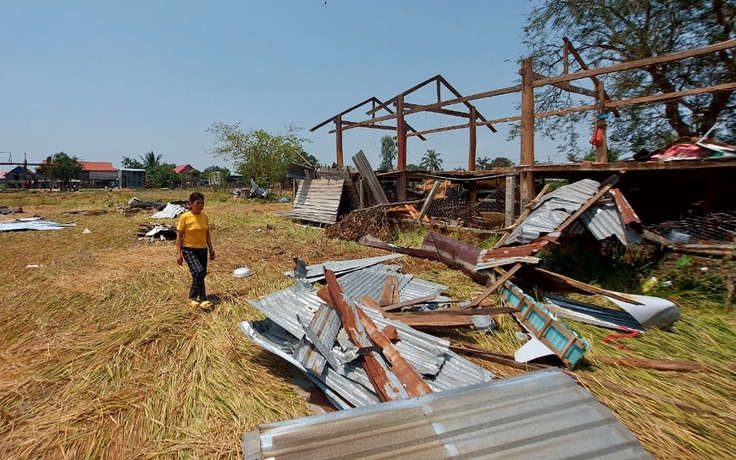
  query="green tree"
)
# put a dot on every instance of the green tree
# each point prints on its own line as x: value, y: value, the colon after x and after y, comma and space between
x: 150, y: 160
x: 130, y: 163
x: 413, y: 167
x: 162, y: 175
x: 483, y: 164
x: 257, y: 154
x: 61, y: 166
x: 431, y: 161
x: 217, y: 175
x: 388, y: 153
x: 614, y: 154
x: 501, y: 162
x: 608, y: 32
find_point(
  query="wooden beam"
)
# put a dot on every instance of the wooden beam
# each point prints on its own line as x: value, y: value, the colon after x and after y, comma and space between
x: 668, y: 96
x: 567, y: 45
x: 526, y: 181
x: 338, y: 140
x: 472, y: 140
x: 638, y: 63
x: 467, y: 104
x: 497, y: 284
x: 510, y: 204
x: 568, y: 87
x: 452, y: 113
x: 429, y: 199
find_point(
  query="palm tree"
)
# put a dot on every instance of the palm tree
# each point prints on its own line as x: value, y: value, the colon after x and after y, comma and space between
x: 431, y: 161
x: 483, y: 164
x: 151, y: 160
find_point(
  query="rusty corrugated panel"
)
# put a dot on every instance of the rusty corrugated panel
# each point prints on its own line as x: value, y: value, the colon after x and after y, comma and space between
x: 543, y: 414
x: 628, y: 215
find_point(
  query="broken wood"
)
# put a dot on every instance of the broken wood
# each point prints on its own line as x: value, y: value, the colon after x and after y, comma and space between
x: 410, y: 379
x: 587, y: 287
x: 390, y: 291
x: 663, y: 365
x: 408, y: 303
x: 430, y: 198
x: 497, y: 284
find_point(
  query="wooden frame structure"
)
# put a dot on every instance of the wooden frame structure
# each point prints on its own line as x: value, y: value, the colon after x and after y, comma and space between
x: 529, y: 81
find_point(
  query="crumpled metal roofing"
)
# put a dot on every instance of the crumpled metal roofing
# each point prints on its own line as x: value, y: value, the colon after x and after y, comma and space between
x: 32, y: 223
x: 605, y: 221
x: 542, y: 414
x: 315, y: 272
x: 553, y: 209
x: 430, y: 356
x: 169, y: 212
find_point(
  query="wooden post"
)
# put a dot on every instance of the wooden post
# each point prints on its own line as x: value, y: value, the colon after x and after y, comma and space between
x: 510, y: 201
x: 473, y: 141
x: 526, y: 181
x: 401, y: 154
x: 601, y: 151
x: 338, y: 140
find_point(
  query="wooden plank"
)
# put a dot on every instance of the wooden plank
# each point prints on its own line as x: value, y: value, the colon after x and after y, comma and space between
x: 510, y: 204
x: 492, y: 288
x: 408, y: 303
x: 390, y: 291
x: 676, y: 56
x: 429, y: 199
x: 410, y: 380
x: 367, y: 173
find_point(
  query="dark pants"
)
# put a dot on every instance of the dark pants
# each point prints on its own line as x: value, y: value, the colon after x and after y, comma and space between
x: 197, y: 261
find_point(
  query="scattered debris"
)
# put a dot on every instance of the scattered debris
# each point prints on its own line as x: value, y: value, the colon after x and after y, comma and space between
x: 242, y: 272
x: 170, y: 211
x: 4, y: 210
x: 256, y: 191
x: 153, y: 232
x: 32, y: 223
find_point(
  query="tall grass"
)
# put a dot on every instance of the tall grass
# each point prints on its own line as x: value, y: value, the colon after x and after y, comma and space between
x: 102, y: 357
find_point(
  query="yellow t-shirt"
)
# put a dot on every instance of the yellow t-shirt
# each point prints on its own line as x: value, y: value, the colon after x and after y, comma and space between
x: 195, y: 228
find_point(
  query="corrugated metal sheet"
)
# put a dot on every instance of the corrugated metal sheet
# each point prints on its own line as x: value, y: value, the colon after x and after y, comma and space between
x: 169, y: 212
x: 317, y: 200
x: 429, y: 355
x: 604, y: 221
x: 315, y: 272
x: 553, y: 210
x: 592, y: 314
x: 543, y: 414
x: 367, y: 174
x: 32, y: 223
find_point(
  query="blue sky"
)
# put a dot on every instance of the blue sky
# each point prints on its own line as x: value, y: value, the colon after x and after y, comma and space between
x: 101, y: 80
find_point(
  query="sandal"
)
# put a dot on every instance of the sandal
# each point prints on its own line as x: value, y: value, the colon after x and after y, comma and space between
x: 193, y: 303
x: 204, y: 305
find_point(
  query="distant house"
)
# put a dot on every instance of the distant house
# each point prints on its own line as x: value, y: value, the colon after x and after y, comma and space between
x: 16, y: 177
x: 184, y: 169
x: 131, y: 178
x: 98, y: 174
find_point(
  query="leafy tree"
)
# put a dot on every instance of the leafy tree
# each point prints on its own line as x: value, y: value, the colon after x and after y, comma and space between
x: 257, y: 154
x: 431, y: 161
x: 162, y: 175
x: 608, y: 32
x: 501, y: 162
x: 388, y: 153
x: 483, y: 164
x: 150, y: 160
x: 413, y: 167
x: 614, y: 154
x: 61, y: 166
x: 130, y: 163
x: 217, y: 175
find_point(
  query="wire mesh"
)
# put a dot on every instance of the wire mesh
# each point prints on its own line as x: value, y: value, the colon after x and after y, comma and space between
x: 489, y: 213
x: 715, y: 228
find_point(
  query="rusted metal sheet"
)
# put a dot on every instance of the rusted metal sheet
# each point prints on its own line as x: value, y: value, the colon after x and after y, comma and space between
x: 628, y: 215
x: 543, y: 414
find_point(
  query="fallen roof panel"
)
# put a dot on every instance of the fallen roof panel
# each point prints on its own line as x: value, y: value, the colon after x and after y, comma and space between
x: 542, y: 414
x: 315, y: 272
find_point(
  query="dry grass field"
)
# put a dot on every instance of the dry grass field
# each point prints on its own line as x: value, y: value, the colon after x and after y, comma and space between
x: 102, y: 357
